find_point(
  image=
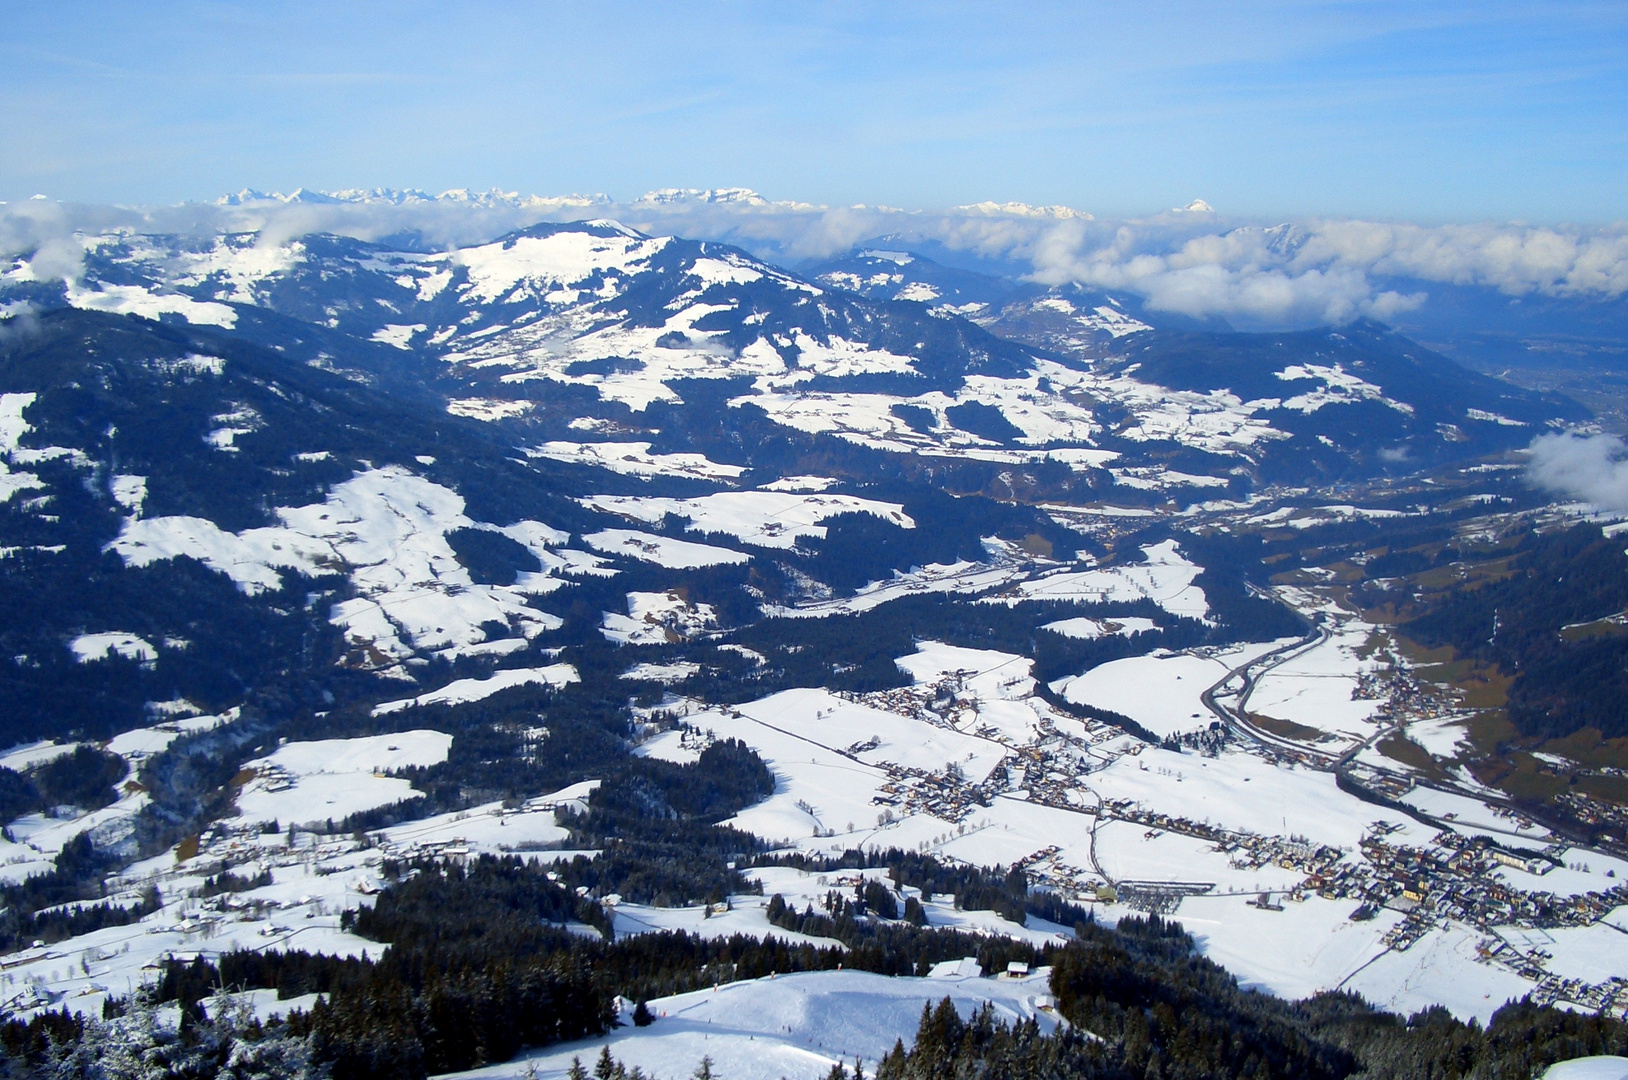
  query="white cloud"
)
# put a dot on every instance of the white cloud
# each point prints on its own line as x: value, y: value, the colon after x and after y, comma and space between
x: 1593, y: 468
x: 1312, y: 271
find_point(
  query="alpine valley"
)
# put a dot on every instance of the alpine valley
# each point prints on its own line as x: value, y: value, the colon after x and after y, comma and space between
x: 595, y: 646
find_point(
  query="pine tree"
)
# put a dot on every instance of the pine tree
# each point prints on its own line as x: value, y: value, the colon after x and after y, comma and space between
x: 914, y: 913
x: 704, y: 1071
x: 226, y: 1045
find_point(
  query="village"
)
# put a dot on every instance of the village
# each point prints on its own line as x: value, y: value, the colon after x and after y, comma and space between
x: 1454, y: 880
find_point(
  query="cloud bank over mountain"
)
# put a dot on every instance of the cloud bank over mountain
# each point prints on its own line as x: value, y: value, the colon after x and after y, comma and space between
x: 1592, y: 468
x: 1190, y: 261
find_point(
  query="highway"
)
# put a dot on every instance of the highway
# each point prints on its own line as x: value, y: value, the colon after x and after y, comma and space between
x: 1243, y: 678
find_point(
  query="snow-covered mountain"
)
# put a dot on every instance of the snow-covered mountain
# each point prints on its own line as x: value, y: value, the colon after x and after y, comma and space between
x: 296, y: 417
x: 563, y: 329
x: 640, y: 549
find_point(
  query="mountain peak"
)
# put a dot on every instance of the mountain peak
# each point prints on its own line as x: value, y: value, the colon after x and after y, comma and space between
x: 1020, y: 209
x: 737, y: 196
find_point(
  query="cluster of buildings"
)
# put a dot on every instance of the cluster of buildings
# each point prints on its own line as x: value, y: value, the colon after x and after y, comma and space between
x: 1048, y: 768
x: 1609, y: 997
x: 1591, y: 811
x: 944, y: 795
x: 1401, y: 694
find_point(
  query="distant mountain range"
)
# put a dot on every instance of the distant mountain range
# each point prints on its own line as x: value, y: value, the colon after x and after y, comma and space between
x: 590, y: 600
x: 208, y: 400
x: 884, y: 349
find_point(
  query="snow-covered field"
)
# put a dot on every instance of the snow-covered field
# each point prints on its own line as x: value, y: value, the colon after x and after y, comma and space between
x: 1319, y: 687
x: 1089, y: 629
x: 1165, y: 577
x: 957, y: 577
x: 13, y: 427
x: 657, y: 619
x: 330, y: 779
x: 1162, y: 690
x: 662, y: 550
x: 788, y: 1026
x: 99, y: 646
x: 28, y: 755
x: 138, y: 744
x: 37, y: 839
x: 464, y: 690
x: 832, y: 760
x: 488, y: 827
x: 772, y: 519
x: 1042, y: 418
x: 635, y: 459
x: 386, y: 529
x: 299, y: 910
x: 675, y: 672
x: 872, y: 771
x: 1600, y: 1067
x: 314, y: 880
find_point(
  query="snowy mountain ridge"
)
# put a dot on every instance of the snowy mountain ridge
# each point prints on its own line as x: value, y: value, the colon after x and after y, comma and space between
x: 691, y: 582
x: 857, y: 349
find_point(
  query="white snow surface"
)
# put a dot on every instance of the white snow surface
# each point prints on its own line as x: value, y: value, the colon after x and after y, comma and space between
x: 308, y: 782
x: 299, y: 910
x: 12, y: 425
x: 530, y: 267
x: 1165, y: 577
x: 786, y: 1026
x: 150, y: 304
x: 462, y: 691
x: 399, y: 335
x: 98, y: 646
x: 1316, y: 686
x: 28, y: 755
x: 129, y: 492
x: 1090, y: 629
x: 489, y: 828
x: 675, y: 672
x: 1598, y: 1067
x: 965, y: 577
x: 1217, y: 421
x: 12, y: 428
x: 662, y: 550
x: 819, y: 746
x: 1048, y: 422
x: 657, y: 619
x: 770, y: 519
x: 984, y: 673
x: 1161, y: 691
x: 1340, y: 387
x: 138, y: 744
x: 488, y: 409
x: 635, y: 459
x: 387, y: 529
x: 799, y: 483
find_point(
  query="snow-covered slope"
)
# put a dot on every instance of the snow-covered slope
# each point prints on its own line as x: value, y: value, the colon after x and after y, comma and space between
x: 456, y: 521
x: 592, y: 323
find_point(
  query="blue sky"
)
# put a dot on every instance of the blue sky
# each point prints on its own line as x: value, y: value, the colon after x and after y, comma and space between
x: 1420, y: 111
